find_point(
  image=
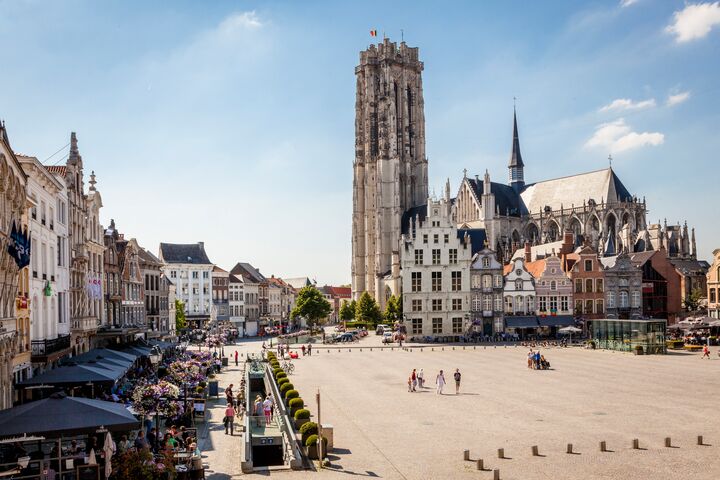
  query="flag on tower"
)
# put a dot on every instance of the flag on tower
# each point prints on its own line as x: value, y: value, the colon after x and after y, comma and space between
x: 373, y: 33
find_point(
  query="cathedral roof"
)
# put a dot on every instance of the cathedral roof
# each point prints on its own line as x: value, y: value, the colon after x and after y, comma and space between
x: 477, y: 238
x: 506, y: 199
x: 600, y: 185
x: 409, y: 215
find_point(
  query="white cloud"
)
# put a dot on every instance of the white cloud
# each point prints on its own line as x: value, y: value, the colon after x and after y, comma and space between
x: 621, y: 104
x: 617, y: 136
x: 627, y: 3
x: 694, y: 21
x: 677, y: 99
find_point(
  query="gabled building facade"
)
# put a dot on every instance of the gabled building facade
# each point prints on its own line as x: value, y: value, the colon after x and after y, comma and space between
x: 713, y: 286
x: 623, y: 287
x: 220, y: 283
x: 486, y: 293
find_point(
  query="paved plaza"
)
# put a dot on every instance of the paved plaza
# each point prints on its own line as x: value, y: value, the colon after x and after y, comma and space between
x: 383, y: 431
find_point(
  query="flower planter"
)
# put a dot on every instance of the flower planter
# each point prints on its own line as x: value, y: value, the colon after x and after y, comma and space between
x: 312, y: 452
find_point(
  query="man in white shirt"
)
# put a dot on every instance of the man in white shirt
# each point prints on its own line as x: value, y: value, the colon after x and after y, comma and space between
x: 267, y: 409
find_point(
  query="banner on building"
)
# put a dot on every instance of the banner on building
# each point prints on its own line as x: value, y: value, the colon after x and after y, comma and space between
x: 94, y: 286
x: 19, y: 246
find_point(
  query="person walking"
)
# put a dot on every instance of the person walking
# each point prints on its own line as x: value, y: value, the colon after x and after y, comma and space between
x: 258, y: 409
x: 229, y: 418
x: 229, y: 394
x: 440, y: 383
x: 413, y: 377
x: 303, y: 350
x: 457, y: 381
x: 530, y: 357
x: 410, y: 384
x: 236, y: 358
x: 267, y: 409
x: 706, y: 352
x: 421, y: 378
x: 309, y: 350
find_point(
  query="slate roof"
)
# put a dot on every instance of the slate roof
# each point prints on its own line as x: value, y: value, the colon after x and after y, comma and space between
x: 477, y: 238
x: 184, y: 253
x: 515, y: 157
x: 409, y: 214
x: 640, y: 258
x: 537, y: 251
x: 600, y: 185
x: 248, y: 272
x: 57, y: 169
x: 690, y: 265
x: 298, y: 282
x: 146, y: 257
x: 506, y: 198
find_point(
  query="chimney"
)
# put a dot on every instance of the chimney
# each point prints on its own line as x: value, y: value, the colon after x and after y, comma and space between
x: 202, y: 244
x: 528, y: 253
x: 567, y: 245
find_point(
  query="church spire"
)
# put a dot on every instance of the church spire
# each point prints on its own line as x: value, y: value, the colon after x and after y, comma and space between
x: 516, y: 166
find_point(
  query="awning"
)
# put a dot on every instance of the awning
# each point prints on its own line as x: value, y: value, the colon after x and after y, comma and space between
x: 62, y: 415
x: 75, y: 374
x: 557, y: 321
x: 521, y: 322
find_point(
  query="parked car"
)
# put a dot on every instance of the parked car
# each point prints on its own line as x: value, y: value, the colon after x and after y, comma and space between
x: 381, y: 329
x: 387, y: 337
x: 346, y: 337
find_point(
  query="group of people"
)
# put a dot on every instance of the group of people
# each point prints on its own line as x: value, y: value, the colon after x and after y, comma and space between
x: 416, y: 381
x: 536, y: 361
x: 263, y: 408
x: 174, y: 439
x: 546, y: 343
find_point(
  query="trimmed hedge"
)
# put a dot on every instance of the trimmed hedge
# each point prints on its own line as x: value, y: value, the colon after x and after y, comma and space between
x: 312, y: 440
x: 303, y: 413
x: 285, y: 387
x: 283, y: 381
x: 307, y: 429
x: 296, y: 403
x: 290, y: 394
x: 280, y: 375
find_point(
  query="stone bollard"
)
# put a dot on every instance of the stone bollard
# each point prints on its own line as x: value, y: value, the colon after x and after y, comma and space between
x: 496, y: 474
x: 432, y: 349
x: 349, y: 351
x: 636, y: 444
x: 371, y: 349
x: 480, y: 464
x: 466, y: 455
x: 569, y: 448
x: 443, y: 349
x: 700, y: 440
x: 338, y: 350
x: 668, y: 442
x: 463, y: 347
x: 603, y: 446
x: 501, y: 453
x: 535, y: 451
x: 473, y: 347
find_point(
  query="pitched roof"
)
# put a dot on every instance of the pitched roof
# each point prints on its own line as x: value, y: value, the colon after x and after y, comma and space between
x: 338, y: 291
x: 248, y: 272
x: 536, y: 268
x: 217, y: 269
x: 57, y: 169
x: 600, y: 185
x: 506, y: 198
x: 640, y: 258
x: 539, y: 251
x: 236, y: 279
x: 146, y: 257
x: 184, y: 253
x: 477, y: 238
x: 298, y: 282
x: 408, y: 216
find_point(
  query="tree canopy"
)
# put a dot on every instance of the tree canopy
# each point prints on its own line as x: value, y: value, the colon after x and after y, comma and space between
x: 393, y: 309
x: 180, y: 322
x: 311, y: 305
x: 367, y: 310
x: 347, y: 310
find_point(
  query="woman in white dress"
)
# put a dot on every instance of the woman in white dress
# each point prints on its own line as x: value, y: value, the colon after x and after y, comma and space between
x: 440, y: 382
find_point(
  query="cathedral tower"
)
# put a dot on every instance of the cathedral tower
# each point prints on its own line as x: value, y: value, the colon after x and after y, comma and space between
x: 390, y: 168
x: 516, y: 166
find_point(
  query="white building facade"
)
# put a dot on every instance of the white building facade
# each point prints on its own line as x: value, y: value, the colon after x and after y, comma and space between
x: 189, y: 269
x: 486, y: 302
x: 519, y: 291
x: 236, y: 297
x: 435, y: 272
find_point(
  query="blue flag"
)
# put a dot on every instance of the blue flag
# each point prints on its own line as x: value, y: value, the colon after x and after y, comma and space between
x: 19, y: 246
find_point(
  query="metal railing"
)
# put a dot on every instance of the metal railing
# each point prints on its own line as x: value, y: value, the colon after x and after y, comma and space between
x: 46, y: 347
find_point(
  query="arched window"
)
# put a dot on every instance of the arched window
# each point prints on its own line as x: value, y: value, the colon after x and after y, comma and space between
x: 519, y: 307
x: 518, y: 284
x: 623, y: 299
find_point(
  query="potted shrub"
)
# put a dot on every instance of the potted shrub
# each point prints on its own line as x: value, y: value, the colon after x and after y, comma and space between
x: 280, y: 375
x: 295, y: 404
x: 283, y: 381
x: 307, y: 429
x: 290, y: 394
x: 302, y: 417
x: 311, y: 445
x: 285, y: 387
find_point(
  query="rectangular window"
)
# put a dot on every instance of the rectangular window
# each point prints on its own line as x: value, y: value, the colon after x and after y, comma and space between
x: 416, y: 281
x: 498, y: 303
x: 599, y: 287
x: 194, y: 274
x: 425, y: 238
x: 498, y: 281
x: 713, y: 297
x: 530, y: 304
x: 588, y: 306
x: 452, y: 253
x: 457, y: 325
x: 437, y: 325
x: 487, y: 303
x: 436, y: 256
x: 475, y: 281
x: 417, y: 305
x: 578, y: 285
x: 588, y: 285
x: 457, y: 304
x: 436, y: 284
x: 456, y: 281
x: 446, y: 238
x: 436, y: 238
x: 476, y: 303
x: 636, y: 299
x: 206, y: 274
x: 487, y: 282
x: 52, y: 218
x: 588, y: 265
x: 416, y: 325
x: 543, y: 304
x: 436, y: 304
x: 578, y: 307
x: 418, y: 256
x: 611, y: 299
x: 599, y: 308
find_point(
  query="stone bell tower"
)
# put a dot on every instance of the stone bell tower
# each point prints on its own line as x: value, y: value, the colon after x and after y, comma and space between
x: 390, y: 168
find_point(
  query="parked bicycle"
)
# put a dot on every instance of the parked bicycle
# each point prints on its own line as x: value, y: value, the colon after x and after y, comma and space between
x: 288, y: 367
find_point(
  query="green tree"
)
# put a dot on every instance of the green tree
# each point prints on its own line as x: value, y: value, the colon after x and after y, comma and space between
x: 692, y: 302
x: 180, y: 322
x: 393, y: 310
x: 367, y: 310
x: 347, y: 310
x: 311, y: 305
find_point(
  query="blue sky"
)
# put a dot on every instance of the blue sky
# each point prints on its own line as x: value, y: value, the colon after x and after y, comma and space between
x: 233, y: 122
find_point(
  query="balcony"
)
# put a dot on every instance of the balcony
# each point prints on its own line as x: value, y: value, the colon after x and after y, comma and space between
x: 85, y: 324
x: 487, y: 289
x: 487, y: 313
x: 50, y: 350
